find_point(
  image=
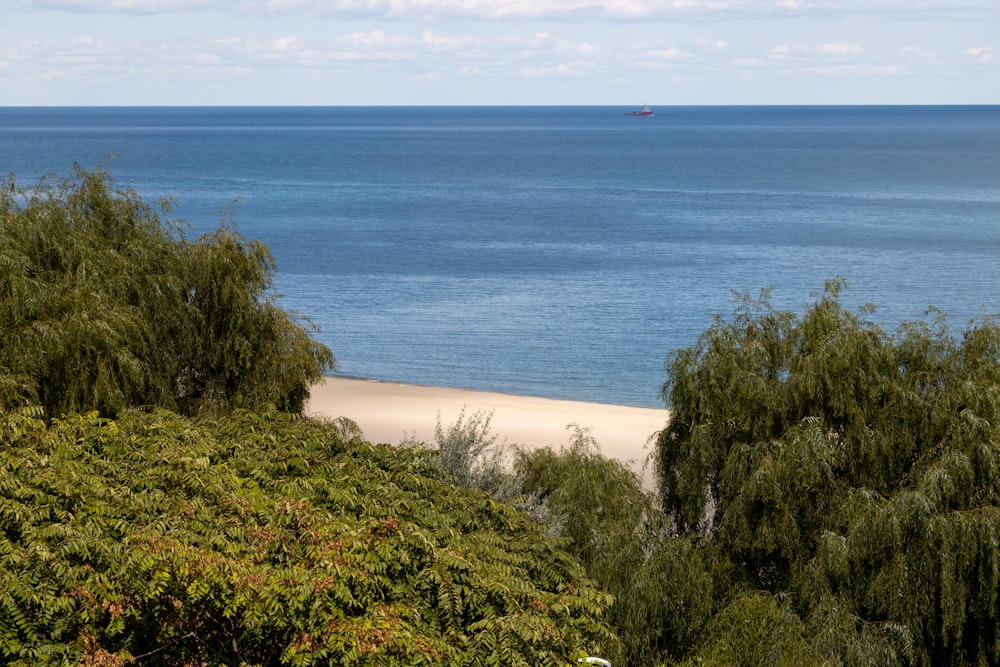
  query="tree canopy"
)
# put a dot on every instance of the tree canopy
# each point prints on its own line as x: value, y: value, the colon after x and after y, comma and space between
x: 103, y: 306
x: 261, y: 538
x: 611, y: 525
x: 828, y: 492
x: 842, y: 485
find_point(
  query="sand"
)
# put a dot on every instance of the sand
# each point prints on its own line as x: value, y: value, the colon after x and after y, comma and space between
x: 390, y: 412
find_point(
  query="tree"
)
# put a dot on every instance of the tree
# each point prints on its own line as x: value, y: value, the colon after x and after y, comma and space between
x: 103, y: 306
x: 844, y: 482
x: 262, y: 538
x: 612, y: 526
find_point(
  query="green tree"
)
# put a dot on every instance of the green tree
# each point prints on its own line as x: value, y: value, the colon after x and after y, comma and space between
x: 844, y: 484
x: 104, y: 306
x: 262, y: 538
x: 612, y: 526
x: 606, y: 520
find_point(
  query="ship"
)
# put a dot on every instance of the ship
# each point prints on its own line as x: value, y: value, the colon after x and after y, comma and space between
x: 645, y: 111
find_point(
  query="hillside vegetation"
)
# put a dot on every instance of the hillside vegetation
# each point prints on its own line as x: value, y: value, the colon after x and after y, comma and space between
x: 841, y: 486
x: 829, y: 492
x: 266, y: 539
x: 243, y: 533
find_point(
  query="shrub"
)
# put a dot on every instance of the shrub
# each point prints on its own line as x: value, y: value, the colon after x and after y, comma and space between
x: 104, y: 307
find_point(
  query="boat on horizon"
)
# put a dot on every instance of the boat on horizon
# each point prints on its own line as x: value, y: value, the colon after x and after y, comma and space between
x: 645, y: 111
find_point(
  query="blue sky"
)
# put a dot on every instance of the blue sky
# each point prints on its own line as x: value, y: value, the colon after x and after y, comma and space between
x: 498, y: 52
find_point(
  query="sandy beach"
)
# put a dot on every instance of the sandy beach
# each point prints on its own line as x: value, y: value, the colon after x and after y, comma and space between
x: 390, y: 412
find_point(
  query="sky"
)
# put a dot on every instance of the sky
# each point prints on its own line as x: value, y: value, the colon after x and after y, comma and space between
x: 498, y: 52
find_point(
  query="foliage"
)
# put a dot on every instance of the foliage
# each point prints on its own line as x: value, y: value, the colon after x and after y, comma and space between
x: 266, y: 539
x: 471, y: 455
x: 829, y: 493
x: 596, y: 502
x: 606, y: 520
x: 614, y: 529
x: 249, y: 536
x: 842, y: 485
x: 104, y: 307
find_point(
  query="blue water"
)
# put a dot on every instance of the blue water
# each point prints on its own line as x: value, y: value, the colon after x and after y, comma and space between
x: 561, y: 252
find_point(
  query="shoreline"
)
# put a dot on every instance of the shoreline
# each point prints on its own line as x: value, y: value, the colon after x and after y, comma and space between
x: 473, y: 390
x: 389, y: 412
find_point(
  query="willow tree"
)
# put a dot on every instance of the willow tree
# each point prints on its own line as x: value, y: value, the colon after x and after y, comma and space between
x: 844, y: 481
x: 612, y: 526
x: 104, y: 306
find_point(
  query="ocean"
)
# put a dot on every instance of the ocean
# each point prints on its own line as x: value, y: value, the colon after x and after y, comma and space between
x: 560, y: 251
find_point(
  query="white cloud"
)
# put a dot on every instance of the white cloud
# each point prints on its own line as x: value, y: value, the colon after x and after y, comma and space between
x: 287, y: 43
x: 852, y: 70
x: 802, y: 52
x: 667, y: 54
x: 279, y: 6
x: 81, y: 53
x: 278, y: 44
x: 713, y: 44
x: 980, y: 54
x: 840, y: 49
x: 918, y: 56
x: 442, y: 43
x: 534, y: 53
x: 577, y: 10
x: 571, y: 69
x: 119, y: 6
x: 368, y: 39
x: 781, y: 52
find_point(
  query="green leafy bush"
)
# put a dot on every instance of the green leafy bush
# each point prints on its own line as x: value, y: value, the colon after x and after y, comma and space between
x: 612, y: 526
x: 251, y: 536
x: 469, y: 454
x: 104, y: 307
x: 843, y: 485
x: 266, y: 539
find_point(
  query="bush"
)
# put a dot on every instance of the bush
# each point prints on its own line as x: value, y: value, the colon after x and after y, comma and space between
x: 611, y: 525
x: 844, y: 484
x: 472, y: 456
x: 266, y: 539
x: 104, y: 307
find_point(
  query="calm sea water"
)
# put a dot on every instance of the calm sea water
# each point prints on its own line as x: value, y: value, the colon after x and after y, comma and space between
x: 561, y: 252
